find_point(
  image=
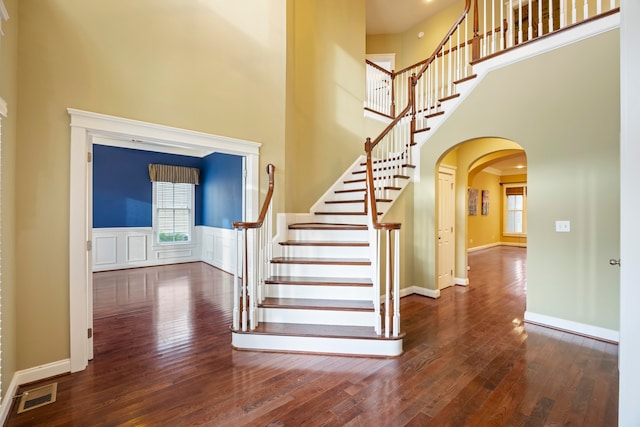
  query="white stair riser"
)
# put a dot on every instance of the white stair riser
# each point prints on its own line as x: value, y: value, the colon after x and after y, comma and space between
x: 349, y: 196
x: 325, y: 345
x: 352, y: 185
x: 342, y: 219
x: 343, y: 252
x: 344, y: 207
x: 315, y: 270
x: 317, y: 317
x: 329, y: 235
x: 320, y: 292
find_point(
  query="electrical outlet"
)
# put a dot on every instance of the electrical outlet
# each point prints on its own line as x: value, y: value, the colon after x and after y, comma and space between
x: 563, y: 226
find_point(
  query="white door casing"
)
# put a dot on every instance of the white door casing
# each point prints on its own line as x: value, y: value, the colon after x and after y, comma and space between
x: 84, y: 127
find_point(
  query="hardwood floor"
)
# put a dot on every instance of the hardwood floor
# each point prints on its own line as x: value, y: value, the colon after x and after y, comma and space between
x: 163, y: 358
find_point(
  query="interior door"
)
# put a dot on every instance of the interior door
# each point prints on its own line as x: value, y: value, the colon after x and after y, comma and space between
x: 446, y: 219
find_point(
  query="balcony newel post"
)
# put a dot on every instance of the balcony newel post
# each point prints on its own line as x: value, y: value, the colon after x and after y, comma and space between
x: 475, y: 50
x: 392, y: 109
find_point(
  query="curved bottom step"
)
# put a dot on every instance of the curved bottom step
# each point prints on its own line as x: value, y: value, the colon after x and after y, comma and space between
x: 317, y: 339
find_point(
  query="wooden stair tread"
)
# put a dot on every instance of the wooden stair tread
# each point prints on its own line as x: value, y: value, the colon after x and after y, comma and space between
x: 321, y: 243
x: 355, y: 190
x: 318, y: 281
x: 464, y: 79
x: 437, y: 113
x: 353, y: 181
x: 337, y: 202
x: 384, y: 169
x: 326, y: 226
x: 328, y: 331
x: 422, y: 130
x: 317, y: 304
x: 343, y: 213
x: 446, y: 98
x: 323, y: 261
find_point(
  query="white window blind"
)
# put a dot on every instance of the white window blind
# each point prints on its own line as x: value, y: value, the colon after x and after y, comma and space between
x: 174, y: 211
x: 516, y: 210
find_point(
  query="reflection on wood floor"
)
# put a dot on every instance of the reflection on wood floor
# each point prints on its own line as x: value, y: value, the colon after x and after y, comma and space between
x: 163, y: 357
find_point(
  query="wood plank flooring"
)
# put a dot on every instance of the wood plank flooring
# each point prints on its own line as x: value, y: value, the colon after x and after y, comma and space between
x: 163, y: 358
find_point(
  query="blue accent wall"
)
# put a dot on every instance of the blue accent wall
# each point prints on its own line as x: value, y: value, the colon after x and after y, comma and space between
x: 221, y: 181
x: 122, y: 191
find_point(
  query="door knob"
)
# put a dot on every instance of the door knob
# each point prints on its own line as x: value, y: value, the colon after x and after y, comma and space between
x: 614, y: 261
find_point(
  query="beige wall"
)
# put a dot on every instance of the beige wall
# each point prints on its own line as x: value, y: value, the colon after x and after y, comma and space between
x: 571, y: 141
x: 326, y: 126
x: 8, y: 92
x: 409, y: 49
x: 483, y: 230
x: 216, y: 67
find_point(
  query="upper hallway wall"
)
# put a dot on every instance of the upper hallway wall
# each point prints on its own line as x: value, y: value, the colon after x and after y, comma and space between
x: 216, y: 67
x: 410, y: 49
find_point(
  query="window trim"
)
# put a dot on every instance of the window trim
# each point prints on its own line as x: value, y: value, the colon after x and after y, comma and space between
x: 506, y: 233
x: 155, y: 228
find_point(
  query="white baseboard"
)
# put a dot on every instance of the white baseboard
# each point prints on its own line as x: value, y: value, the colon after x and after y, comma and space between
x: 461, y: 281
x: 431, y: 293
x: 571, y: 326
x: 30, y: 375
x: 493, y: 245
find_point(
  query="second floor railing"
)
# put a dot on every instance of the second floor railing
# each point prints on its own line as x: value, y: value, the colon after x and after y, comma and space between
x: 493, y: 26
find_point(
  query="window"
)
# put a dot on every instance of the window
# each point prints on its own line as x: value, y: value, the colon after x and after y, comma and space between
x: 173, y: 210
x: 515, y: 209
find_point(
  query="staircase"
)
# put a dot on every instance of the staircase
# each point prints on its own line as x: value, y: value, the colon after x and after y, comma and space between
x: 317, y: 286
x: 319, y: 295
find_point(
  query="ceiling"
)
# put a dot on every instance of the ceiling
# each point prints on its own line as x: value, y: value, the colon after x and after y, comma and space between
x: 397, y: 16
x: 509, y: 165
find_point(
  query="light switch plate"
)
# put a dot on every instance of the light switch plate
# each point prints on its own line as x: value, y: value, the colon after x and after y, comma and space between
x: 563, y: 226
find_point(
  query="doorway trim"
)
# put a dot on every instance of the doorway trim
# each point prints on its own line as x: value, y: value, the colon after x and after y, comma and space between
x: 84, y: 126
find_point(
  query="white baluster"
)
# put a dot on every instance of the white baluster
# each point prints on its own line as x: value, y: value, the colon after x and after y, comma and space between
x: 483, y: 31
x: 574, y: 13
x: 387, y: 286
x: 236, y: 282
x: 563, y: 14
x: 466, y: 42
x: 551, y: 16
x: 540, y: 17
x: 244, y: 283
x: 450, y: 76
x: 396, y: 285
x: 376, y: 289
x: 530, y: 24
x: 442, y: 76
x: 612, y: 4
x: 519, y: 21
x: 510, y: 29
x: 493, y: 27
x: 585, y: 10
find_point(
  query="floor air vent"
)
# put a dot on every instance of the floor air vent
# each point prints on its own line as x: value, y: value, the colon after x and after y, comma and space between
x: 37, y: 397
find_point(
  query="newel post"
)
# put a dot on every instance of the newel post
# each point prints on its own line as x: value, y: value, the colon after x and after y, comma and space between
x: 475, y: 46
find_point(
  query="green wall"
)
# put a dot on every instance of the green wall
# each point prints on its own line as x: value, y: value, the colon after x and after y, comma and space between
x: 570, y: 132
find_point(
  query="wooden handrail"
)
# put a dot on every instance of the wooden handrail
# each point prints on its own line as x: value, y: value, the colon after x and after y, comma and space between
x: 372, y: 195
x: 379, y: 68
x: 265, y: 206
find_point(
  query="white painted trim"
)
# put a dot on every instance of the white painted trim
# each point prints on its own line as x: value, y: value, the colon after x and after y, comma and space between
x: 3, y: 106
x: 4, y: 16
x: 571, y: 326
x: 324, y: 345
x: 461, y: 281
x: 390, y: 57
x: 30, y: 375
x: 418, y: 290
x: 487, y: 246
x: 86, y: 125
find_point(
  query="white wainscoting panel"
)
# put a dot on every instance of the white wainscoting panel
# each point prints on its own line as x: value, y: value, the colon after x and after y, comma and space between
x: 105, y: 250
x: 136, y: 247
x: 130, y: 247
x: 218, y: 247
